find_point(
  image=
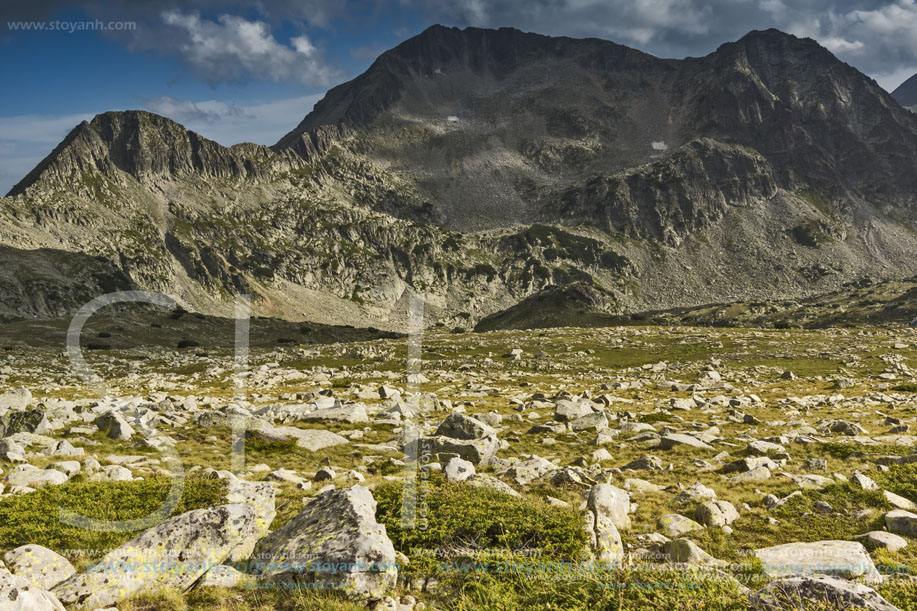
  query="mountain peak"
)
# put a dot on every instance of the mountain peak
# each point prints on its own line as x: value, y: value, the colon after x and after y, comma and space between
x: 142, y: 145
x: 441, y: 50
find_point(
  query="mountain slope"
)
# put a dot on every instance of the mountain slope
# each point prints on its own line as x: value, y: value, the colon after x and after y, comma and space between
x: 480, y: 167
x: 906, y: 93
x: 494, y: 126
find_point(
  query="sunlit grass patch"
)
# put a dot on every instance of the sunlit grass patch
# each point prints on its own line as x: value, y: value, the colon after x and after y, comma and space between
x: 35, y: 517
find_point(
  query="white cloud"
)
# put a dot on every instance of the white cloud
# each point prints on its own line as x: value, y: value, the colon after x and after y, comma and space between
x: 230, y: 123
x: 234, y: 49
x: 882, y: 38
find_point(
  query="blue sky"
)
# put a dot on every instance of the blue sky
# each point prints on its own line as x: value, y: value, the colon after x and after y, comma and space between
x: 238, y: 70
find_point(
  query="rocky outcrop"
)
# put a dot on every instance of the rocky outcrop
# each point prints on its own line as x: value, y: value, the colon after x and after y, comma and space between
x: 144, y: 146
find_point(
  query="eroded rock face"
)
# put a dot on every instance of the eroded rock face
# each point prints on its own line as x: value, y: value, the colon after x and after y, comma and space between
x: 173, y: 554
x: 841, y: 558
x: 334, y: 540
x: 798, y: 591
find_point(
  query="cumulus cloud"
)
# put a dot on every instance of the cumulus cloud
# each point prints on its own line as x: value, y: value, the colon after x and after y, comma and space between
x: 234, y: 49
x: 230, y: 123
x: 185, y: 111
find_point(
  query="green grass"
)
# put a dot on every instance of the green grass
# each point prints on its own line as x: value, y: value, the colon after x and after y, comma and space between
x: 35, y: 517
x: 844, y: 451
x: 481, y: 519
x: 900, y: 479
x: 240, y: 600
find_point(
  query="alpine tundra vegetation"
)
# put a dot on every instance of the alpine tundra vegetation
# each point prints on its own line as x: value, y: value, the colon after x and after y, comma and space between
x: 508, y: 321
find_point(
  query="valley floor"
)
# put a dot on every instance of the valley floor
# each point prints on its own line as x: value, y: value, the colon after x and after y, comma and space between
x: 715, y: 444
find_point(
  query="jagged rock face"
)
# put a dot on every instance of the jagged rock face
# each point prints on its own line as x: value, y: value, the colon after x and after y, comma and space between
x: 766, y: 169
x: 818, y: 121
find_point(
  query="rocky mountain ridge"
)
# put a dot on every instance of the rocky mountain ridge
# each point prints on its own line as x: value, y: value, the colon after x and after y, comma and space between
x: 479, y: 167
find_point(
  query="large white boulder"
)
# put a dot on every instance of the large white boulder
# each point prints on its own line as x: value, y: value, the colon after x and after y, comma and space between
x: 335, y: 541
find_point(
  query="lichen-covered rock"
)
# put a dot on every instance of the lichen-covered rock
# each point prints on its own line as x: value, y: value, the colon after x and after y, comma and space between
x: 310, y: 439
x: 716, y: 513
x: 27, y: 421
x: 19, y: 594
x: 847, y: 559
x: 41, y: 566
x: 173, y: 554
x: 800, y: 591
x: 606, y: 500
x: 460, y: 426
x: 525, y: 472
x: 676, y: 525
x: 667, y: 442
x: 458, y: 470
x: 565, y: 410
x: 476, y: 451
x: 15, y: 399
x: 335, y: 540
x: 114, y: 425
x: 222, y: 576
x: 260, y: 497
x: 604, y: 538
x: 351, y: 413
x: 901, y: 522
x: 33, y: 477
x: 876, y: 539
x: 685, y: 551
